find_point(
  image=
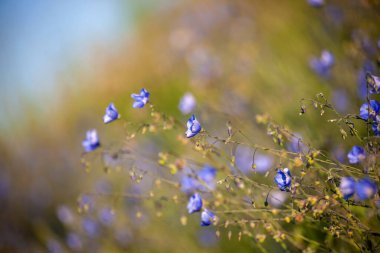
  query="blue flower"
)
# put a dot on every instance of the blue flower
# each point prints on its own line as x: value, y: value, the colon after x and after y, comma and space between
x: 187, y: 103
x: 111, y: 114
x: 322, y: 65
x: 283, y: 179
x: 365, y: 189
x: 140, y: 100
x: 107, y: 216
x: 376, y: 126
x: 373, y: 83
x: 86, y: 203
x: 188, y: 184
x: 207, y: 175
x: 371, y: 112
x: 91, y: 142
x: 347, y: 187
x: 356, y: 155
x: 53, y: 246
x: 207, y: 218
x: 316, y: 3
x: 193, y: 127
x: 65, y: 215
x: 195, y: 203
x: 206, y: 180
x: 90, y: 227
x: 74, y: 242
x: 362, y: 80
x: 340, y: 100
x: 296, y: 144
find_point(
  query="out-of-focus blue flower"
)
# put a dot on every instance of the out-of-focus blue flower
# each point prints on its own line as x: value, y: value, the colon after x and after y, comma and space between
x: 193, y: 127
x: 195, y: 203
x: 90, y: 227
x: 356, y: 154
x: 91, y: 142
x: 347, y: 187
x: 362, y: 80
x: 207, y: 218
x: 111, y: 114
x: 187, y: 103
x: 322, y: 65
x: 340, y: 100
x: 373, y: 83
x: 86, y: 203
x: 277, y: 198
x: 207, y: 174
x: 376, y: 126
x: 365, y: 189
x: 189, y: 184
x: 244, y: 159
x: 296, y: 145
x: 140, y: 100
x: 123, y: 236
x: 263, y: 163
x: 53, y: 246
x: 65, y: 215
x: 316, y: 3
x: 371, y: 112
x: 106, y: 216
x: 74, y: 242
x: 207, y: 237
x: 206, y: 180
x: 283, y: 179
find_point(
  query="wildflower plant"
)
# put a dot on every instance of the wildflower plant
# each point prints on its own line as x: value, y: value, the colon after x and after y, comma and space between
x: 262, y: 191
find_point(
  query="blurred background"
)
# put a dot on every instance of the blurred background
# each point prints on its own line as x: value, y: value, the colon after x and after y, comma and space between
x: 62, y: 63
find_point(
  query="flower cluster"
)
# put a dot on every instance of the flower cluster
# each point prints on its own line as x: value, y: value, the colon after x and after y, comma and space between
x: 364, y: 189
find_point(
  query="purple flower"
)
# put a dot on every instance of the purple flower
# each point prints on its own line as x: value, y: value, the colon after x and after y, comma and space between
x: 362, y: 80
x: 193, y: 127
x: 244, y: 159
x: 376, y: 126
x: 187, y: 103
x: 283, y: 179
x: 91, y: 142
x: 140, y: 100
x: 356, y: 155
x: 111, y: 114
x: 86, y: 203
x: 373, y: 83
x: 296, y: 145
x: 340, y: 100
x: 365, y: 189
x: 65, y: 215
x: 90, y: 227
x: 74, y: 242
x: 189, y: 184
x: 195, y: 203
x: 347, y: 187
x: 277, y: 198
x: 322, y: 65
x: 206, y: 180
x: 207, y: 237
x: 53, y: 246
x: 207, y: 174
x: 207, y: 218
x: 371, y: 112
x: 316, y: 3
x: 107, y: 216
